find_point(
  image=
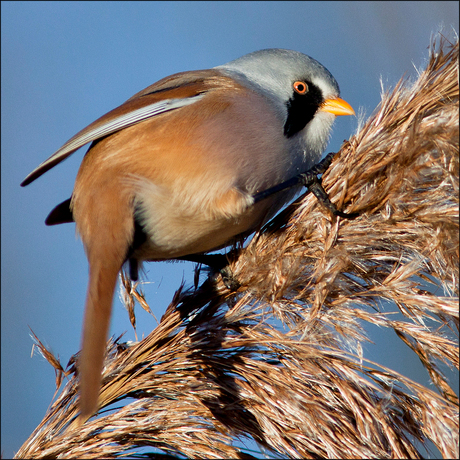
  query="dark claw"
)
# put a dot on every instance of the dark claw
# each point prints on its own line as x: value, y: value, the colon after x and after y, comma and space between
x: 315, y: 186
x: 231, y: 283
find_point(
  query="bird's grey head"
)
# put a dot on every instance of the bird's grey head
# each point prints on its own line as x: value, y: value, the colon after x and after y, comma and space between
x: 274, y: 71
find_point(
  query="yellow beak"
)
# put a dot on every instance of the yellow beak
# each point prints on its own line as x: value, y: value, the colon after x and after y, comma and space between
x: 337, y: 106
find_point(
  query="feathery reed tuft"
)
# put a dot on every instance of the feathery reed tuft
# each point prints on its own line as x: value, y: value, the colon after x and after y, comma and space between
x: 280, y: 359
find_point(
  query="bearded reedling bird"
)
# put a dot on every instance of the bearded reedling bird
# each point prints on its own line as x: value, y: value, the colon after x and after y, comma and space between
x: 172, y: 172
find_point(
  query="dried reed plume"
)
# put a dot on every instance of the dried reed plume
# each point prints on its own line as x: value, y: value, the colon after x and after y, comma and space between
x: 279, y: 360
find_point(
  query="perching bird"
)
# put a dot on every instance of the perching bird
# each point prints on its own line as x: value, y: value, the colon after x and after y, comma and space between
x: 172, y: 172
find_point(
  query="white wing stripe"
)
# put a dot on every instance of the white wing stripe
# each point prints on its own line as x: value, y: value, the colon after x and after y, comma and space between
x: 110, y: 127
x: 126, y: 120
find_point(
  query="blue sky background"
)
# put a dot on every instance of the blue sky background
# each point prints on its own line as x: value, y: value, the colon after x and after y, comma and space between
x: 64, y: 64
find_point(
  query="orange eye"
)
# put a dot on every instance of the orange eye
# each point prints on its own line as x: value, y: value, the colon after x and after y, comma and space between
x: 300, y: 87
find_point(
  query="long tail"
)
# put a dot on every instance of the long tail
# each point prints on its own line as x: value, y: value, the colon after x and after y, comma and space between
x: 98, y: 309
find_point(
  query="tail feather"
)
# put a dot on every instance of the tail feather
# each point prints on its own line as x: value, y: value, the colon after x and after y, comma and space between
x: 98, y: 309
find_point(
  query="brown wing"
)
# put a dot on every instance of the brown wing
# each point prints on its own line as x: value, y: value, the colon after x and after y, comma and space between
x: 170, y: 93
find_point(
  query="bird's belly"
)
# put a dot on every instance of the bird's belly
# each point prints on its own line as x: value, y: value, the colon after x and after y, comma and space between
x: 175, y: 234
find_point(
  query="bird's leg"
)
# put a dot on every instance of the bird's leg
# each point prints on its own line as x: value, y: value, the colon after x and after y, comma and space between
x: 219, y: 263
x: 310, y: 180
x: 215, y: 261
